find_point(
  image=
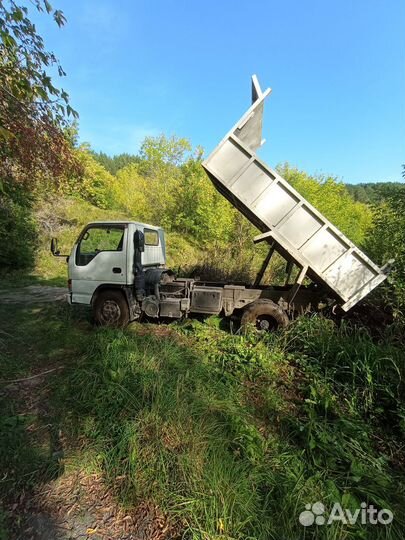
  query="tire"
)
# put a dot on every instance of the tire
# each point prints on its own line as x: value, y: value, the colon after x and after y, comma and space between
x: 265, y: 315
x: 110, y: 308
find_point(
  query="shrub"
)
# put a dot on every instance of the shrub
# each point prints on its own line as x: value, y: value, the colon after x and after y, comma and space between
x: 18, y: 230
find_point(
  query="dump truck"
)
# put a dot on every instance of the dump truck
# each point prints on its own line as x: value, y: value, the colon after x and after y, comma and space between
x: 119, y: 267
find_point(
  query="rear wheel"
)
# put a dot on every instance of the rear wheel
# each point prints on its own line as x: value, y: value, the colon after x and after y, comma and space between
x: 110, y: 308
x: 265, y: 315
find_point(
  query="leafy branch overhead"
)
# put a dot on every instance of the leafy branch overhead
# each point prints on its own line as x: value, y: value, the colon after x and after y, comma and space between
x: 34, y: 113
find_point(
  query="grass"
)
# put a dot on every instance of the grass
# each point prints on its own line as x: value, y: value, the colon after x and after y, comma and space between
x: 229, y: 435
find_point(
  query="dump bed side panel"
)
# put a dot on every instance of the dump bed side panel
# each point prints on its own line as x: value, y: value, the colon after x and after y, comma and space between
x: 271, y: 204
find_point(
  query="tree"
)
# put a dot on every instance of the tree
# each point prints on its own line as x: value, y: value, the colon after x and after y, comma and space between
x: 374, y: 192
x: 200, y: 210
x: 34, y: 114
x: 131, y: 193
x: 96, y: 183
x: 163, y: 153
x: 113, y: 164
x: 36, y: 134
x: 160, y: 164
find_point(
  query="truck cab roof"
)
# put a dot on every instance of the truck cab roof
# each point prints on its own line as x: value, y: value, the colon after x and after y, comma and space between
x: 123, y: 222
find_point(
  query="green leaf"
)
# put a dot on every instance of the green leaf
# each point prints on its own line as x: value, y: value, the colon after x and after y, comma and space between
x: 48, y: 6
x: 17, y: 15
x: 5, y: 134
x: 59, y: 17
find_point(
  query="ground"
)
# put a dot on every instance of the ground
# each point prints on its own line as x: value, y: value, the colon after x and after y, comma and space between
x: 33, y: 294
x: 79, y: 505
x: 192, y: 430
x: 71, y: 504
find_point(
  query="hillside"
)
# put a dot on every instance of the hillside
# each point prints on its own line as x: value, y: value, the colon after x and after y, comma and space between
x: 375, y: 192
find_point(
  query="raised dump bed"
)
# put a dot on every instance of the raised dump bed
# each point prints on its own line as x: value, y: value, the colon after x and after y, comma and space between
x: 295, y: 228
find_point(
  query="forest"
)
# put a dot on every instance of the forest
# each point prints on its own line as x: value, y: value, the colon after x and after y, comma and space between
x: 191, y: 429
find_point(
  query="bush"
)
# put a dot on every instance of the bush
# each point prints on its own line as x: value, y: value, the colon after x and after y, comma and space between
x: 385, y: 242
x: 18, y: 231
x: 368, y: 375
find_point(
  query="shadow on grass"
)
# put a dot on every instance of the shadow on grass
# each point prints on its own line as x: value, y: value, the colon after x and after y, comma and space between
x: 35, y: 338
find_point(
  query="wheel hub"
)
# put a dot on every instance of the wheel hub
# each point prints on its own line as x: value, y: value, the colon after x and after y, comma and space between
x: 263, y: 324
x: 110, y: 312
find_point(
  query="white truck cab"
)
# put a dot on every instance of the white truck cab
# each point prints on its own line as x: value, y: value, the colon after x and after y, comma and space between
x: 104, y: 253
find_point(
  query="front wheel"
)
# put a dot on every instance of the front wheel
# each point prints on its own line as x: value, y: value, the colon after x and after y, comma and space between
x: 265, y: 315
x: 110, y: 309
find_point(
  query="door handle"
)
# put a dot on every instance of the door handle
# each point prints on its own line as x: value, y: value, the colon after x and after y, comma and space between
x: 117, y: 270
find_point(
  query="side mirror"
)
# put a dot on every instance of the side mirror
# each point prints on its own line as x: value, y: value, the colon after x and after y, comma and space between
x: 139, y: 241
x: 55, y: 251
x: 54, y: 247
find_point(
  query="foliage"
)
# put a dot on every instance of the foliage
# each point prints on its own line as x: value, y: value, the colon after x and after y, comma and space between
x: 96, y: 183
x: 169, y: 187
x: 36, y: 137
x: 375, y: 192
x: 368, y: 374
x: 114, y: 163
x: 333, y: 200
x: 131, y: 192
x: 33, y: 111
x: 200, y: 210
x: 18, y: 230
x: 385, y: 242
x: 159, y: 153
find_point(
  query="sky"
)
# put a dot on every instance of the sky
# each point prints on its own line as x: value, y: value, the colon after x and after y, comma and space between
x: 139, y: 68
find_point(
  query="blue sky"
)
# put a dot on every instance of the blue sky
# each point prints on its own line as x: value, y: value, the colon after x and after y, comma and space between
x: 336, y: 67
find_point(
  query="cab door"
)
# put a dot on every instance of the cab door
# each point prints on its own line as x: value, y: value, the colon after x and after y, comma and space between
x: 99, y: 258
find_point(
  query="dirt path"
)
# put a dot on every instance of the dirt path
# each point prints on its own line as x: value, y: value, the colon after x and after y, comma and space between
x: 33, y: 294
x: 79, y: 505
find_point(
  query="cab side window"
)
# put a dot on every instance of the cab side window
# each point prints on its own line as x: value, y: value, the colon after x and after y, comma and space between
x: 98, y: 239
x: 151, y: 237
